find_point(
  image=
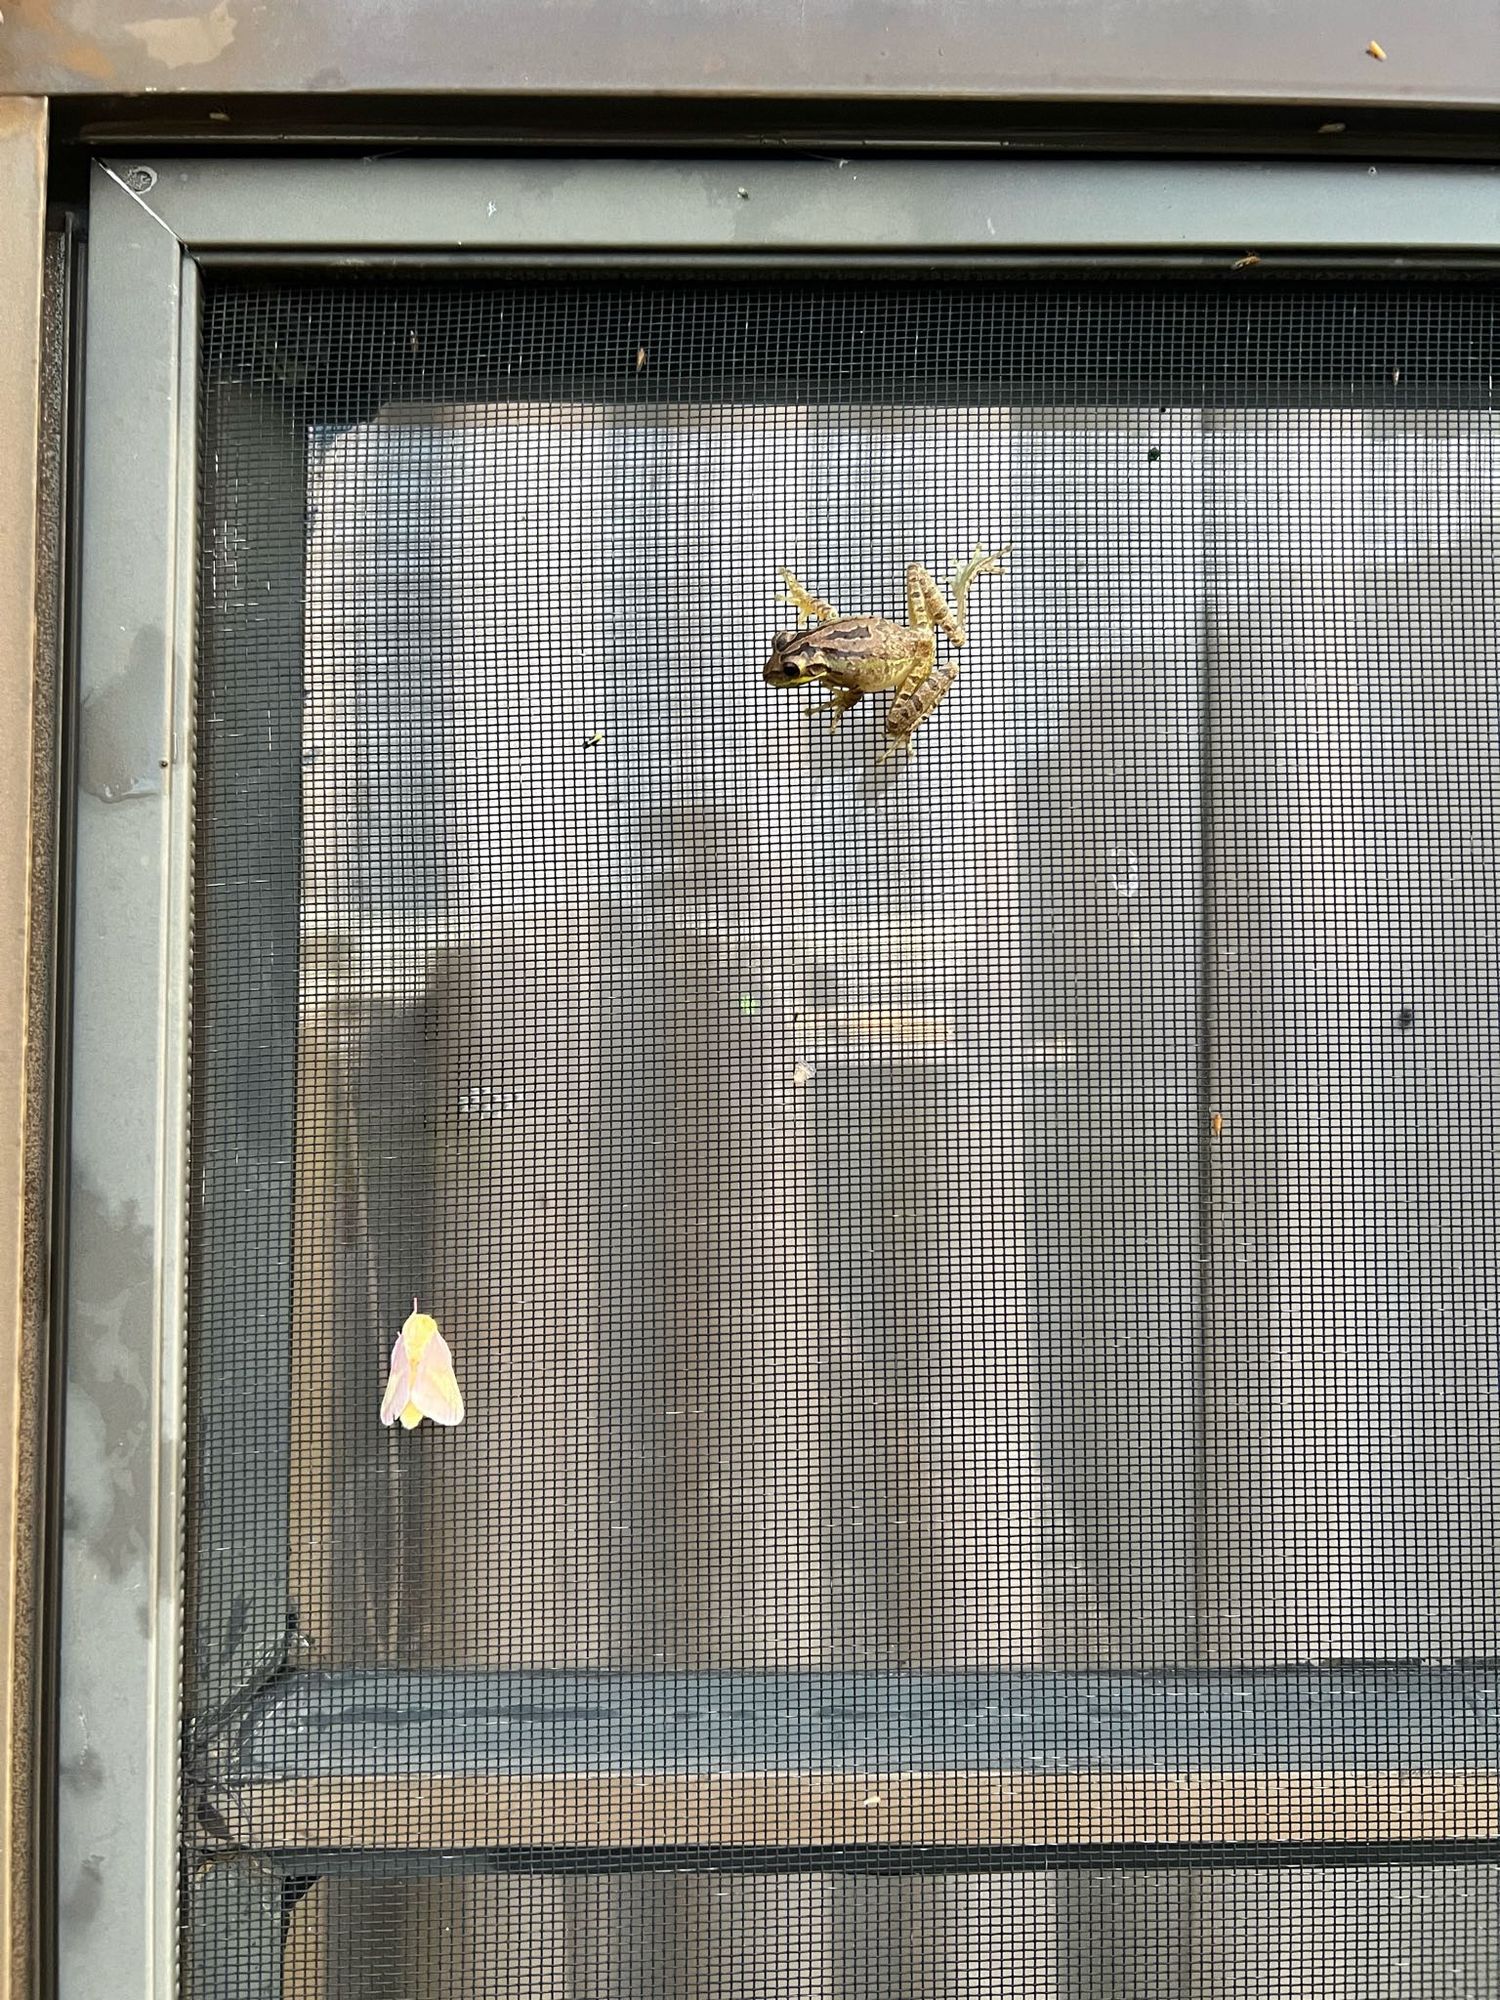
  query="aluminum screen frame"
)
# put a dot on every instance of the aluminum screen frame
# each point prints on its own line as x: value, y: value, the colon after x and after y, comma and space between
x: 151, y: 223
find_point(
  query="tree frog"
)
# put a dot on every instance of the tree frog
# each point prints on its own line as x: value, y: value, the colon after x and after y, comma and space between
x: 854, y: 657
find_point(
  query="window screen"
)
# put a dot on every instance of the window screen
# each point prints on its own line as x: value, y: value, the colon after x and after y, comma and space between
x: 971, y: 1276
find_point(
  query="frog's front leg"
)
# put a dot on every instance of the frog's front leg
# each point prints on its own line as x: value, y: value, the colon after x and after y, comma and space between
x: 816, y: 610
x: 838, y: 705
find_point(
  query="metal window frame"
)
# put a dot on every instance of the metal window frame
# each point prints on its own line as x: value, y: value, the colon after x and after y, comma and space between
x: 152, y: 223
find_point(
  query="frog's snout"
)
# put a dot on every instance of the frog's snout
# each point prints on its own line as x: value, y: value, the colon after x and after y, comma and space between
x: 783, y: 672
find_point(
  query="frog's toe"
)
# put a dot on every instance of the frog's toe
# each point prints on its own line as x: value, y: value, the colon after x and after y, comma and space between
x: 838, y: 705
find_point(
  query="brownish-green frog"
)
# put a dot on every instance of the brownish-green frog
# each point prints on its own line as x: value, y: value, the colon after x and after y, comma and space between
x: 854, y: 657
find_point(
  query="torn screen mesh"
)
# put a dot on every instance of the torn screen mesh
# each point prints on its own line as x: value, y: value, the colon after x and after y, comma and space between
x: 971, y: 1277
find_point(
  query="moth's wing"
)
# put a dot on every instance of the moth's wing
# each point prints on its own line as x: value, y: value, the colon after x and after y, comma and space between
x: 398, y: 1385
x: 434, y: 1386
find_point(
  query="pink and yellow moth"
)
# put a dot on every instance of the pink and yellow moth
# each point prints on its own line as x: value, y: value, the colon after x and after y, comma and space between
x: 421, y: 1382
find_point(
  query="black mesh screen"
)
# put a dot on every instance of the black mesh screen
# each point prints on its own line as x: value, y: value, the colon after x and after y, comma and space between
x: 971, y: 1277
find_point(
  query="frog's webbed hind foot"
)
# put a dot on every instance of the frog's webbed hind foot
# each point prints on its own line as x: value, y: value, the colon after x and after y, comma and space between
x: 816, y: 610
x: 979, y: 564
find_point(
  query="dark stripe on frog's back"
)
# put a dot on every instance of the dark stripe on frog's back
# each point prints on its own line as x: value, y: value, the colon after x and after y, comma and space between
x: 865, y: 654
x: 869, y: 638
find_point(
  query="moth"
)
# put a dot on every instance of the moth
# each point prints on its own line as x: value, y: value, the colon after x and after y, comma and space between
x: 421, y: 1382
